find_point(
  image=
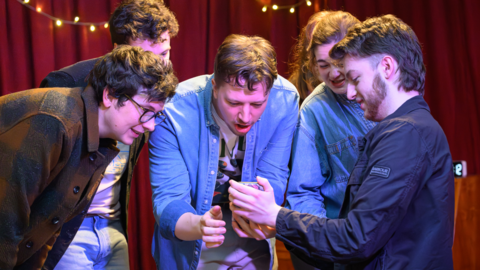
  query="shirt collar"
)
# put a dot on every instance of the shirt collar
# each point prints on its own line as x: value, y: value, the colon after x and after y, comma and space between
x: 91, y: 114
x: 343, y: 98
x: 412, y: 104
x: 208, y: 102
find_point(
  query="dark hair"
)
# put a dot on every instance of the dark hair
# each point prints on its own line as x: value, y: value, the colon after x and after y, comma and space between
x: 301, y: 76
x: 252, y: 59
x: 129, y: 71
x: 387, y: 35
x: 141, y: 19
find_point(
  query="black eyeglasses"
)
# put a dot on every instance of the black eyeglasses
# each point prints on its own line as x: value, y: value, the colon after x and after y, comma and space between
x: 148, y: 114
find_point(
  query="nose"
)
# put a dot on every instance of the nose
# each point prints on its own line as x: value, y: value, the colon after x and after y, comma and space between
x: 351, y: 92
x: 149, y: 125
x: 335, y: 72
x: 244, y: 114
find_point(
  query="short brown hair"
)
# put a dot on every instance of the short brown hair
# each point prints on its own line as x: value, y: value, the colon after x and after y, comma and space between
x: 129, y: 71
x: 387, y: 35
x: 141, y: 19
x: 250, y: 58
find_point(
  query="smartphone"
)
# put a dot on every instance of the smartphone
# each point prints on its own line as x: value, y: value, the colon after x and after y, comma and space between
x: 254, y: 185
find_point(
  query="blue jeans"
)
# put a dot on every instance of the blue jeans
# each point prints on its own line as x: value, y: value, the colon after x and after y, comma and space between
x: 99, y: 244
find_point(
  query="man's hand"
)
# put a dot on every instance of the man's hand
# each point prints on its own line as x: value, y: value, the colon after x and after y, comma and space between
x: 249, y: 229
x: 255, y: 205
x: 212, y: 227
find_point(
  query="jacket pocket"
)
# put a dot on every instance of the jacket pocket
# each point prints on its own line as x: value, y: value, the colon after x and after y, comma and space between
x: 342, y: 145
x: 341, y: 157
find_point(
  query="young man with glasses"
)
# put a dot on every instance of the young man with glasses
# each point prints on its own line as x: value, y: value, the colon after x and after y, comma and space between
x: 147, y: 24
x: 147, y: 114
x: 235, y: 124
x: 55, y: 144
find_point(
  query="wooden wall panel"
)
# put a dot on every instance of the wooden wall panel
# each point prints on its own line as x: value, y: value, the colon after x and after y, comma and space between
x: 466, y: 243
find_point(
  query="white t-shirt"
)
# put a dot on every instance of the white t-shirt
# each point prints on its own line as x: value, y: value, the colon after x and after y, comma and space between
x: 106, y: 201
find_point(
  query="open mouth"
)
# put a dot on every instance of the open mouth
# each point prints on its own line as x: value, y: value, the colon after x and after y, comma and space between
x: 338, y: 83
x: 136, y: 133
x: 242, y: 128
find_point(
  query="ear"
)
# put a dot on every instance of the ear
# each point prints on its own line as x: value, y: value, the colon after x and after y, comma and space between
x: 107, y: 99
x: 115, y: 45
x: 387, y: 67
x: 215, y: 89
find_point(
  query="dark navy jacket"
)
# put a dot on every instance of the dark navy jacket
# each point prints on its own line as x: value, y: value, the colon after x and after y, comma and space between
x: 398, y: 210
x: 74, y: 76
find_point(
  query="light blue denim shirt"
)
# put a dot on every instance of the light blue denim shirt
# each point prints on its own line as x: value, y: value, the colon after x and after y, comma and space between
x: 184, y: 161
x: 324, y: 152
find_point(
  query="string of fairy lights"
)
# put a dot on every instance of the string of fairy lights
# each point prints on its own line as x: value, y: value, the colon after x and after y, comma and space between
x: 59, y: 22
x: 76, y: 21
x: 291, y: 8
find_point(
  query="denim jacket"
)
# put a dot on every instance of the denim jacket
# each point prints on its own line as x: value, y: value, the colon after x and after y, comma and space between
x: 324, y: 152
x: 184, y: 161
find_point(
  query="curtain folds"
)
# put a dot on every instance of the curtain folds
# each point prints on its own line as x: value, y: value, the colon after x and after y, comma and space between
x: 32, y: 46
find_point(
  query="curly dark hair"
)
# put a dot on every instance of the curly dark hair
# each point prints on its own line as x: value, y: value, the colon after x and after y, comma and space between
x: 250, y: 58
x: 141, y: 19
x: 387, y: 35
x: 129, y: 71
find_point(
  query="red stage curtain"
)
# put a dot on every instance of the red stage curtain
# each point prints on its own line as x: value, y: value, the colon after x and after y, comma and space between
x: 32, y: 46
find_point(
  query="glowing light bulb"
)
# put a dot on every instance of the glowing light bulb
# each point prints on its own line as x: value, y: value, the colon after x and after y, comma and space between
x: 39, y: 9
x: 92, y: 28
x: 275, y: 7
x: 77, y: 19
x: 59, y: 22
x: 105, y: 25
x: 309, y: 3
x: 264, y: 9
x: 26, y: 1
x: 292, y: 10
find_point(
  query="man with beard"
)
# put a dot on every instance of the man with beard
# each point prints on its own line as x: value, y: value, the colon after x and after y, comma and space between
x: 399, y: 203
x: 235, y: 124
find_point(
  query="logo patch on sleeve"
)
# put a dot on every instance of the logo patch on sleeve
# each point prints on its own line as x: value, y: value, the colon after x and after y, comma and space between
x: 380, y: 171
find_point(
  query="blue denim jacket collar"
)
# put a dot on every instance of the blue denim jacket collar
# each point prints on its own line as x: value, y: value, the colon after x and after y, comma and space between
x: 208, y: 93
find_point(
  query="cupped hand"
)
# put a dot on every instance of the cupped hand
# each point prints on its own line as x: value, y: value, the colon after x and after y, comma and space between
x: 249, y: 229
x: 255, y: 205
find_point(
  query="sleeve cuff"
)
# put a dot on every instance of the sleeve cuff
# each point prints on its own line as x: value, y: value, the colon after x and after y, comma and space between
x: 172, y: 212
x: 281, y: 220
